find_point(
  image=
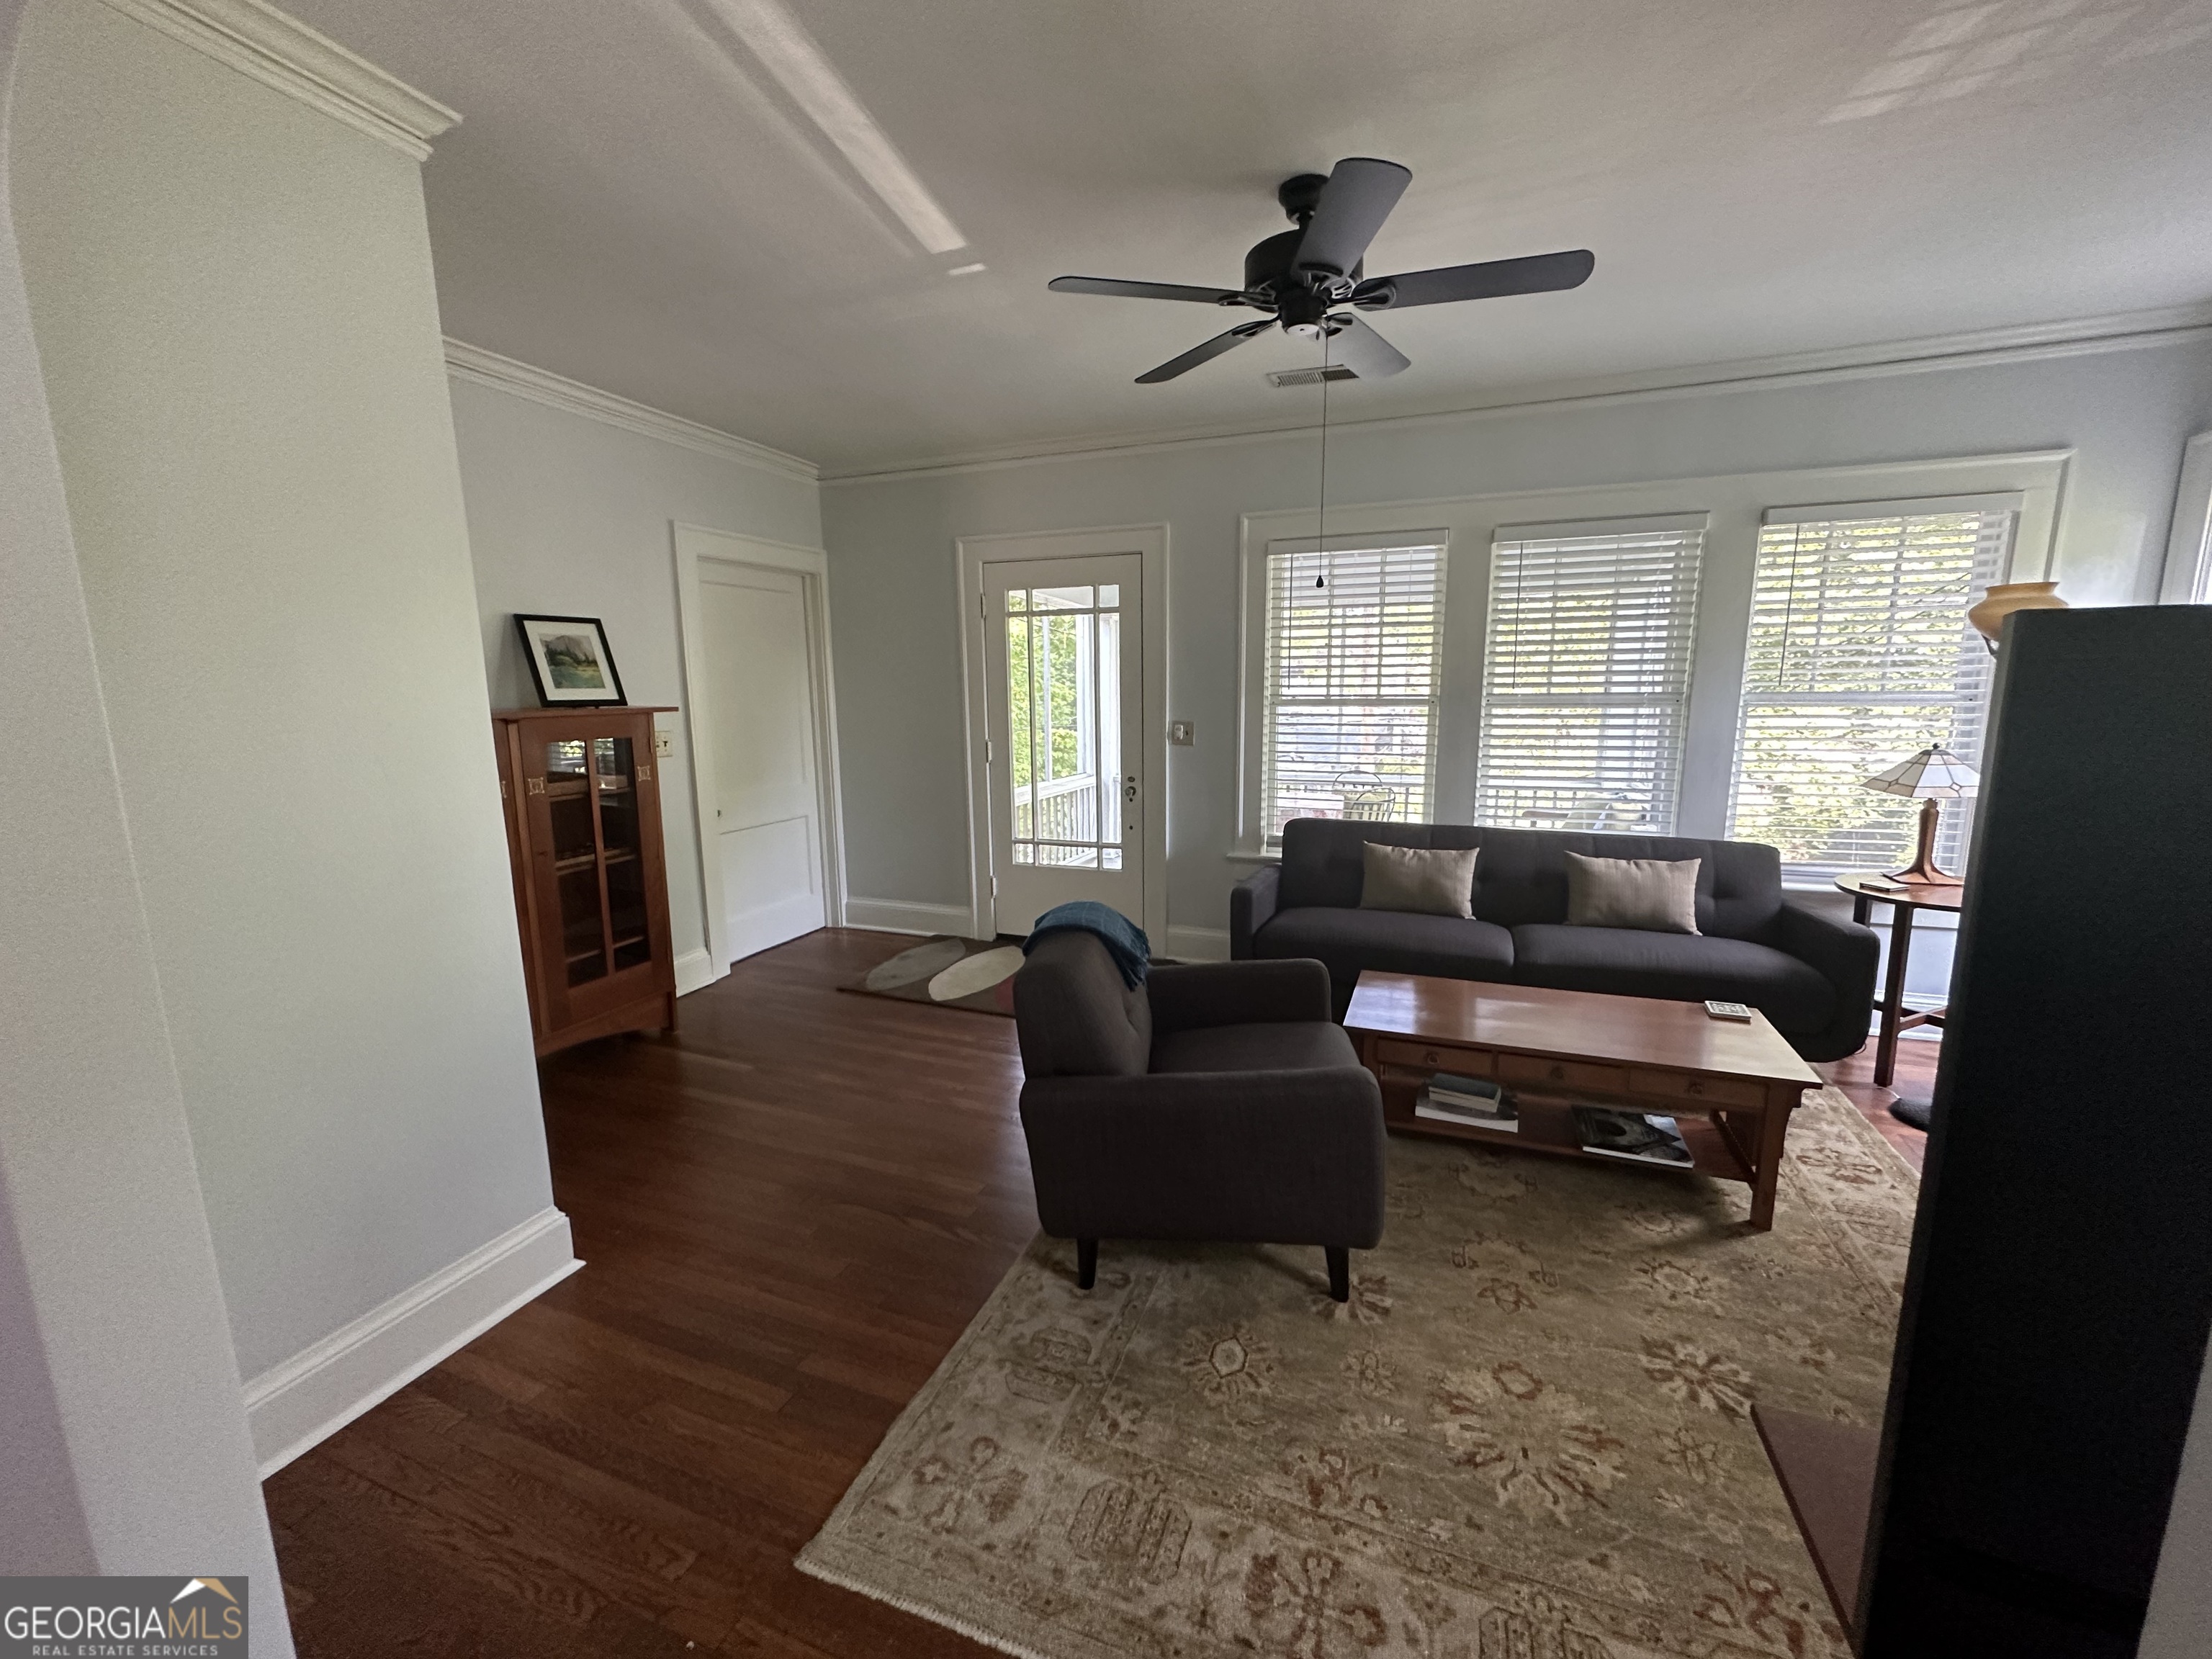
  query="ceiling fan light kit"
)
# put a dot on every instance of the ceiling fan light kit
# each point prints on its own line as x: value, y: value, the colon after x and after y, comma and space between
x: 1301, y: 278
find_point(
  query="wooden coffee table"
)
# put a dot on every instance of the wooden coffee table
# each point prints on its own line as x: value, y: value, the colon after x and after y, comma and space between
x: 1730, y: 1086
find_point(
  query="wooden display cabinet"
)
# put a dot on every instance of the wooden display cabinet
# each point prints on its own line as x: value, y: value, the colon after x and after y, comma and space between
x: 590, y: 889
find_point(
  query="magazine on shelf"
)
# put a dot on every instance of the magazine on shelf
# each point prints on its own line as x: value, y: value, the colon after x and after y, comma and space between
x: 1492, y: 1112
x: 1472, y: 1091
x: 1640, y: 1137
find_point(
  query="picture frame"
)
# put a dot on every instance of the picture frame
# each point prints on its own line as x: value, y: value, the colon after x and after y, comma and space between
x: 571, y: 662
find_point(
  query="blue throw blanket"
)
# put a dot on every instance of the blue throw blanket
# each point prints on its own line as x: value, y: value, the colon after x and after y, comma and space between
x: 1124, y: 940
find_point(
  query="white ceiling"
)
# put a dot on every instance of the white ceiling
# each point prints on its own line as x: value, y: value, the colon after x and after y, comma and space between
x: 633, y: 201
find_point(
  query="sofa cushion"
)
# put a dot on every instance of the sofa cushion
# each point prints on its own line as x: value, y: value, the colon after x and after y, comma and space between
x: 1683, y: 967
x: 1655, y: 894
x: 1392, y: 941
x: 1279, y: 1046
x: 1430, y: 881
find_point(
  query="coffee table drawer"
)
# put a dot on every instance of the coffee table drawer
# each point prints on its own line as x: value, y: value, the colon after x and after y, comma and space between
x: 1571, y: 1073
x: 1707, y: 1091
x: 1437, y: 1057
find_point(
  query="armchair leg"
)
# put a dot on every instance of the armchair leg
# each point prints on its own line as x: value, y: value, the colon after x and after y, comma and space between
x: 1086, y: 1263
x: 1340, y: 1271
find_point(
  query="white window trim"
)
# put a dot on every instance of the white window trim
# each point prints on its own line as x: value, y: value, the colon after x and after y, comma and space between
x: 1736, y: 504
x: 2010, y: 503
x: 1663, y: 524
x: 1252, y: 660
x: 2188, y: 578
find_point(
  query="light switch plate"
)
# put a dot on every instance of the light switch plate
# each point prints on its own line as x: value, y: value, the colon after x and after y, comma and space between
x: 1183, y: 733
x: 661, y: 739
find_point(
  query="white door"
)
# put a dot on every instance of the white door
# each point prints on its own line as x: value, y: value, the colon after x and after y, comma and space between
x: 1065, y: 685
x: 767, y: 803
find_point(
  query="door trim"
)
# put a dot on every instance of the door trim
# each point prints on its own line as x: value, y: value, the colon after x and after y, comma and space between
x: 694, y: 542
x: 970, y: 555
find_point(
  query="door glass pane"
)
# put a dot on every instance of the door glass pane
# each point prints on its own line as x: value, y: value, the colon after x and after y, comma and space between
x: 611, y: 760
x: 1064, y: 724
x: 610, y: 765
x: 567, y: 794
x: 575, y: 858
x: 1108, y: 714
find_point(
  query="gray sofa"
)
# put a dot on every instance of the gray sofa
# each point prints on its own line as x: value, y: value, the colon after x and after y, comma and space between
x: 1215, y: 1101
x: 1810, y: 974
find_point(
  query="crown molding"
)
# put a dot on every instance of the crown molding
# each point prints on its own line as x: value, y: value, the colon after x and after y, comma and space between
x: 2020, y: 342
x: 473, y: 363
x: 281, y: 51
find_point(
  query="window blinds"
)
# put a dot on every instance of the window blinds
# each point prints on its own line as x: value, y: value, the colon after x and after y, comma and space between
x: 1351, y: 689
x: 1859, y: 656
x: 1586, y: 678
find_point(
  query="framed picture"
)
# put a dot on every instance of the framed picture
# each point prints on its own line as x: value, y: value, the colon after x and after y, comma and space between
x: 570, y: 661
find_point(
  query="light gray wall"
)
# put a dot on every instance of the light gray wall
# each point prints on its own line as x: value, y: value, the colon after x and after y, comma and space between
x: 2126, y: 412
x: 572, y: 516
x: 123, y: 1437
x: 231, y: 296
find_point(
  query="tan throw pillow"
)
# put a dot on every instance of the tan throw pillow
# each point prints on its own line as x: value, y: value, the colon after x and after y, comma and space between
x: 1436, y: 882
x: 1653, y: 895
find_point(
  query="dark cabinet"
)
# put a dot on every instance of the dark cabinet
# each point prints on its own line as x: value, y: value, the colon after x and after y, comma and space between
x: 591, y: 890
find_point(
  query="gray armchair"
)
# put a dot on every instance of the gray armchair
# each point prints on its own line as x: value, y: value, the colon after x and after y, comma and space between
x: 1215, y: 1101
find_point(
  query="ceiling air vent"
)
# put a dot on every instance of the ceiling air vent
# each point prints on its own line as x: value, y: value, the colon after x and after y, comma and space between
x: 1314, y: 376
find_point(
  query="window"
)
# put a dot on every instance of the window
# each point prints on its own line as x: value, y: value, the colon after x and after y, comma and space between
x: 1586, y: 678
x: 1350, y: 719
x: 1859, y: 655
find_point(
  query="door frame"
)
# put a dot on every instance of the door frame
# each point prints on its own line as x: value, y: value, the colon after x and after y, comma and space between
x: 970, y: 555
x: 693, y: 543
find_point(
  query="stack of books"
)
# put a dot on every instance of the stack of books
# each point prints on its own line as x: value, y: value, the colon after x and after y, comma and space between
x: 1640, y: 1137
x: 1451, y: 1098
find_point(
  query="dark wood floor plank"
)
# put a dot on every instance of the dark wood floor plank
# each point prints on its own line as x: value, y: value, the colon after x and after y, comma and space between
x: 789, y: 1212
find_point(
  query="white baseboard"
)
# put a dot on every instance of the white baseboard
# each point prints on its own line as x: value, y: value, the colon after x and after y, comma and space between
x: 695, y: 970
x: 311, y: 1396
x: 894, y: 916
x: 1198, y: 944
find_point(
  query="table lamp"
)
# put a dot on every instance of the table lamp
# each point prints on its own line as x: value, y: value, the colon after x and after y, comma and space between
x: 1931, y: 777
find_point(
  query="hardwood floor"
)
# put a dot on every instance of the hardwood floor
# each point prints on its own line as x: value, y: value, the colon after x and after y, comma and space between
x: 789, y: 1212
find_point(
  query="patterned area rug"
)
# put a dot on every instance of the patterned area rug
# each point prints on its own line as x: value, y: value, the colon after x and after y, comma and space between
x: 948, y: 971
x: 1529, y: 1435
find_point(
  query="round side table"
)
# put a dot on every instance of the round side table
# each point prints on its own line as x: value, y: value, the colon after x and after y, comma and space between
x: 1895, y: 1018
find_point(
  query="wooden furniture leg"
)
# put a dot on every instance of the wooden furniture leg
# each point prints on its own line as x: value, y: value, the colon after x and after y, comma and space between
x: 1086, y: 1263
x: 1340, y: 1271
x: 1773, y: 1129
x: 1893, y: 994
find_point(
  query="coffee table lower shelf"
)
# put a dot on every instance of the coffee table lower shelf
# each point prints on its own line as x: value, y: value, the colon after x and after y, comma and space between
x: 1547, y: 1125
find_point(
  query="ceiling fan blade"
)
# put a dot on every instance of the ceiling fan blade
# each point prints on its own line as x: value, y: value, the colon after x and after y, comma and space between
x: 1357, y: 199
x: 1540, y: 273
x: 1115, y: 288
x: 1364, y: 351
x: 1206, y: 352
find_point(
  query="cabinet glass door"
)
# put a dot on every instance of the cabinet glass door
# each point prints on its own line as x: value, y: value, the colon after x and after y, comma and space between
x: 576, y: 860
x: 613, y: 767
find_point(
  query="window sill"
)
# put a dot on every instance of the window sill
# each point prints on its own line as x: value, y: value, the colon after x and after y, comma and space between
x: 1240, y: 855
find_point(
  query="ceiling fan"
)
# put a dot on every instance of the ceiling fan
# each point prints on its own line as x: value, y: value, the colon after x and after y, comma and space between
x: 1297, y: 275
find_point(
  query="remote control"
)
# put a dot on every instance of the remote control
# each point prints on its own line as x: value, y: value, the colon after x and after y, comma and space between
x: 1728, y: 1010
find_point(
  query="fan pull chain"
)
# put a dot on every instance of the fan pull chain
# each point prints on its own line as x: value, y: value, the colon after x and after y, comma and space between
x: 1321, y: 510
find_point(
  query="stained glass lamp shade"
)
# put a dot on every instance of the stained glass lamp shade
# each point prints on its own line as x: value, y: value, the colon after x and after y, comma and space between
x: 1931, y: 777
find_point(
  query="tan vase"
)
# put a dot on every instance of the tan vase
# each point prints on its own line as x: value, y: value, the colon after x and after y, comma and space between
x: 2005, y: 598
